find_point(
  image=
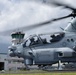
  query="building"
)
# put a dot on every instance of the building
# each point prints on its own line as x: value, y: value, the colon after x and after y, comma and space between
x: 3, y: 62
x: 15, y: 63
x: 10, y: 63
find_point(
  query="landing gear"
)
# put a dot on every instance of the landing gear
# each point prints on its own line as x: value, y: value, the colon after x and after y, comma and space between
x: 59, y: 65
x: 27, y: 63
x: 27, y: 67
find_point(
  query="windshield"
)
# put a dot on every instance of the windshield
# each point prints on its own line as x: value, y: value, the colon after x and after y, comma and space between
x: 34, y: 40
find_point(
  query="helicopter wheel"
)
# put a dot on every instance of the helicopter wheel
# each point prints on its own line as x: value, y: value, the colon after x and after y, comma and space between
x: 39, y: 66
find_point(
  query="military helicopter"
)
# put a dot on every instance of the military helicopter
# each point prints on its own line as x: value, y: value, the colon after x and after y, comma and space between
x: 46, y: 49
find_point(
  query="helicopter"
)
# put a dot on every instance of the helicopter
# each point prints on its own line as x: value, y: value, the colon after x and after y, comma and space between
x: 46, y: 49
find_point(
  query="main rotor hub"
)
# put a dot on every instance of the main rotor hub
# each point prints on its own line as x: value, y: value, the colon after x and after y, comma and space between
x: 73, y: 13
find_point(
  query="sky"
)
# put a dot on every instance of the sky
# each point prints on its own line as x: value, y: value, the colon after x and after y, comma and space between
x: 19, y: 13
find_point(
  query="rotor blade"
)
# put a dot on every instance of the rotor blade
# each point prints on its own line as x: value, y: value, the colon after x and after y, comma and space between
x: 26, y: 28
x: 64, y: 5
x: 56, y: 3
x: 47, y: 2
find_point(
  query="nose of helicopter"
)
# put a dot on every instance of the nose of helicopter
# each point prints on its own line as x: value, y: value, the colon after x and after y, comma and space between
x: 15, y: 51
x: 11, y: 51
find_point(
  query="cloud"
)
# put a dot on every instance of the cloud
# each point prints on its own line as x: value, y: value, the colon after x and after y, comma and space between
x: 14, y: 15
x: 18, y: 13
x: 21, y: 13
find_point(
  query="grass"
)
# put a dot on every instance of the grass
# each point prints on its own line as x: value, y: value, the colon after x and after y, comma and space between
x: 37, y: 72
x: 50, y: 73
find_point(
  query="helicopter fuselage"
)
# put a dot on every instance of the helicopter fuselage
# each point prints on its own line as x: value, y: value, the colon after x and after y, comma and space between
x: 47, y: 48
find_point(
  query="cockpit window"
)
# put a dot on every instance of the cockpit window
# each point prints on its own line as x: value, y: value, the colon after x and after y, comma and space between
x: 56, y: 37
x: 26, y: 43
x: 50, y: 38
x: 43, y: 38
x: 34, y: 40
